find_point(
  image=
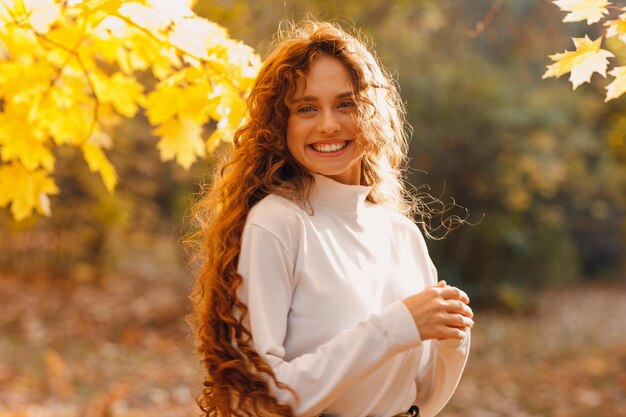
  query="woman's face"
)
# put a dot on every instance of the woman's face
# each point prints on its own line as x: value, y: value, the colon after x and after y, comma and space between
x: 321, y: 128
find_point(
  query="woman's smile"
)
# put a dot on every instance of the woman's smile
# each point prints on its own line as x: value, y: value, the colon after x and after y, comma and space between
x: 330, y: 148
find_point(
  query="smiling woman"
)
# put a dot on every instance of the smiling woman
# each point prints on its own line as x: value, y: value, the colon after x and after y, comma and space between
x: 316, y: 294
x: 322, y: 131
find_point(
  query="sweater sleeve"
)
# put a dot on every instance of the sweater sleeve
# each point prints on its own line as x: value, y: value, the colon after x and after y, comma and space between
x: 323, y: 375
x: 438, y: 382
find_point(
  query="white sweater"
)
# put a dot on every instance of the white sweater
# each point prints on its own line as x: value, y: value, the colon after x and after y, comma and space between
x: 324, y: 292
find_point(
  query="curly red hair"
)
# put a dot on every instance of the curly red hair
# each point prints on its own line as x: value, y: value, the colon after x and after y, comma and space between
x: 238, y: 381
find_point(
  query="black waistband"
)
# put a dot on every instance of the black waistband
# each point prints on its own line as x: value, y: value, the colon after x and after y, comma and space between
x: 414, y: 411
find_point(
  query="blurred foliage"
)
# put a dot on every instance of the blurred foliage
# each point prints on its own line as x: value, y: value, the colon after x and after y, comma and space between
x: 93, y: 232
x: 541, y: 170
x: 70, y: 70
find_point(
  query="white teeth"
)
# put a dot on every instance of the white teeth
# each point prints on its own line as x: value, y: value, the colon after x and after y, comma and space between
x: 329, y: 147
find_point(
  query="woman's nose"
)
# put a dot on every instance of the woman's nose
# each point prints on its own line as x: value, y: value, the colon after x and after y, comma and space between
x: 328, y: 123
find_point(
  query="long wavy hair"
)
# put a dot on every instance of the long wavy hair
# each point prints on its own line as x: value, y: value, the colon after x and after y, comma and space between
x: 238, y: 381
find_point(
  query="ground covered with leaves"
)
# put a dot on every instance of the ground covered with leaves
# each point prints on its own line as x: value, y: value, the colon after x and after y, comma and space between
x: 124, y: 349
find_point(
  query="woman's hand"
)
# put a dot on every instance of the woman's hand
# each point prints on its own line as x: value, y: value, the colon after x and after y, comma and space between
x: 440, y: 312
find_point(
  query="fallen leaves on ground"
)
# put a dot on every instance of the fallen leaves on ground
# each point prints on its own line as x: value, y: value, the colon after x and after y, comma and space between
x: 566, y: 359
x: 124, y: 349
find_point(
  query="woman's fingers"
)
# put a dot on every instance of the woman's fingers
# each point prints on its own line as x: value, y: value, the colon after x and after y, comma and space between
x: 451, y: 333
x: 459, y: 307
x: 458, y: 321
x: 450, y: 292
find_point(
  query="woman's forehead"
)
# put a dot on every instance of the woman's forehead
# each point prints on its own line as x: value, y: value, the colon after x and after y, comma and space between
x: 325, y: 75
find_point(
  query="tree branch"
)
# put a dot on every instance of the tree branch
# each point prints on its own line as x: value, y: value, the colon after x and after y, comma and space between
x: 482, y: 25
x: 73, y: 52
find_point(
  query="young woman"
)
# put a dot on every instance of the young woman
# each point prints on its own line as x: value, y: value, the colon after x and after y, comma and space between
x: 317, y: 295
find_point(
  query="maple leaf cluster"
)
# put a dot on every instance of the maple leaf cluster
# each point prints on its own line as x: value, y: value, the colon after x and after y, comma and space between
x: 71, y: 69
x: 589, y: 57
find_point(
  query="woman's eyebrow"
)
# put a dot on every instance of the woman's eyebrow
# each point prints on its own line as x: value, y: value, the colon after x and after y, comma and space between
x: 315, y: 98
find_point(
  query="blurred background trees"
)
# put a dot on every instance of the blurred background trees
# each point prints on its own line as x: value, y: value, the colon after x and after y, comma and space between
x: 546, y: 167
x: 541, y: 170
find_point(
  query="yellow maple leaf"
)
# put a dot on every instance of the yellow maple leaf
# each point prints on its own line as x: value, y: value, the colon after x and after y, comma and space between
x: 20, y: 44
x: 22, y: 141
x: 66, y: 34
x: 123, y: 92
x: 154, y: 17
x: 195, y: 100
x: 163, y: 64
x: 5, y: 15
x: 29, y: 151
x: 181, y: 140
x: 185, y: 35
x: 24, y: 83
x: 243, y: 62
x: 617, y: 28
x: 582, y: 63
x: 69, y: 126
x: 163, y: 104
x: 143, y: 54
x: 227, y: 107
x: 107, y: 6
x: 579, y: 10
x: 25, y: 190
x: 109, y: 38
x: 232, y: 108
x: 98, y: 162
x: 218, y: 136
x: 618, y: 86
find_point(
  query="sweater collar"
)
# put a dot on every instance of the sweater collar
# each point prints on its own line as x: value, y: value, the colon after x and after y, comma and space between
x: 329, y: 193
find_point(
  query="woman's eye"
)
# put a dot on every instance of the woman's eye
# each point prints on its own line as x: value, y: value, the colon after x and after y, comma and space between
x: 306, y: 109
x: 347, y: 104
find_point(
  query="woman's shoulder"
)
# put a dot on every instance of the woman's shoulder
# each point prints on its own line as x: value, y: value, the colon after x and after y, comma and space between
x: 395, y: 217
x: 399, y: 223
x: 275, y: 212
